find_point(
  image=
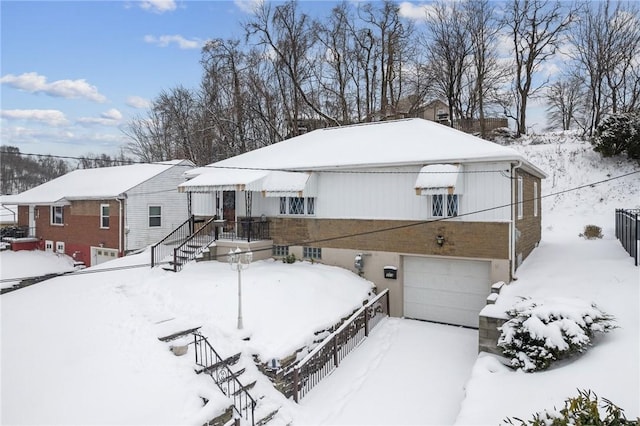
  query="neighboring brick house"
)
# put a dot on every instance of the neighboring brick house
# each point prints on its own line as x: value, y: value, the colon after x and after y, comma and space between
x: 434, y: 214
x: 95, y: 215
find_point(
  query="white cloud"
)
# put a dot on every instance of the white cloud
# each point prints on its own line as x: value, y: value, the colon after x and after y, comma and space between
x: 248, y: 6
x: 137, y: 102
x: 166, y: 40
x: 48, y: 116
x: 158, y: 6
x: 70, y: 89
x: 415, y: 12
x: 111, y: 117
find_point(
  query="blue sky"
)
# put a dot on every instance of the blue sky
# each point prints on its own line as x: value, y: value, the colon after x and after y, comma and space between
x: 74, y: 73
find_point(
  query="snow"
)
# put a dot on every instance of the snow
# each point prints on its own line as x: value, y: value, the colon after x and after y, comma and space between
x: 16, y: 265
x: 83, y: 348
x: 93, y: 183
x: 207, y: 179
x: 397, y: 142
x: 437, y: 176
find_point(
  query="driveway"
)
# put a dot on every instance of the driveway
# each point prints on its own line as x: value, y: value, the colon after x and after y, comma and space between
x: 406, y: 372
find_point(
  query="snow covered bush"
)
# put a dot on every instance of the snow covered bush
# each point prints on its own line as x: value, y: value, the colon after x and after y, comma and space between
x: 581, y: 410
x: 618, y: 134
x: 538, y: 334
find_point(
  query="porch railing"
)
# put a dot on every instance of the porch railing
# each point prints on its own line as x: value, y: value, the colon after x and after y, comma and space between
x: 327, y: 356
x: 163, y: 248
x: 214, y: 365
x: 195, y: 243
x: 627, y: 231
x: 246, y: 229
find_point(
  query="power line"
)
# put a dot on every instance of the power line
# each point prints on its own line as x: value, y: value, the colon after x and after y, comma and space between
x: 375, y: 231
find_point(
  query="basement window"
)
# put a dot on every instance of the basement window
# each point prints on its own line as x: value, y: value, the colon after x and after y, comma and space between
x: 312, y: 252
x: 280, y: 251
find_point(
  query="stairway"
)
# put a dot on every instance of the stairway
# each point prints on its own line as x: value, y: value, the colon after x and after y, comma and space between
x: 189, y: 251
x: 230, y: 376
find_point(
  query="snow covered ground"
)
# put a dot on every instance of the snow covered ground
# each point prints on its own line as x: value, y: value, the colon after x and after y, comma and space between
x: 83, y: 349
x: 22, y: 264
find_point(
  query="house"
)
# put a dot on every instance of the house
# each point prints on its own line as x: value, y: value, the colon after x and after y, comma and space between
x: 95, y: 215
x: 431, y: 213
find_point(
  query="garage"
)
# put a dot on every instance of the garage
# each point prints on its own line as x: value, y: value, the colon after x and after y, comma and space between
x: 451, y: 291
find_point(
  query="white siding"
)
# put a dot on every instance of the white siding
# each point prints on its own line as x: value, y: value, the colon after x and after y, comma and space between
x: 161, y: 190
x: 389, y: 194
x: 203, y: 203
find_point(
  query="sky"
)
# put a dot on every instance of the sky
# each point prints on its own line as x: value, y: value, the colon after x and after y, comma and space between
x: 73, y: 73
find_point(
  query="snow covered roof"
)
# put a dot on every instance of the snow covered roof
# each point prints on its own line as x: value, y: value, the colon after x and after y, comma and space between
x: 88, y: 184
x: 411, y: 141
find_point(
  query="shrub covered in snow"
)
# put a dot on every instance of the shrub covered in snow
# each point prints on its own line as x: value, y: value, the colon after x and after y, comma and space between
x: 540, y: 333
x: 591, y: 232
x: 618, y: 134
x: 581, y: 410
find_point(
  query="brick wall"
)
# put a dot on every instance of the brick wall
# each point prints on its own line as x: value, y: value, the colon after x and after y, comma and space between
x: 81, y: 229
x: 530, y: 226
x: 462, y: 239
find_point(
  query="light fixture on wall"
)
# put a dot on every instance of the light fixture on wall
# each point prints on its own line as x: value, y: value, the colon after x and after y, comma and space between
x: 440, y: 240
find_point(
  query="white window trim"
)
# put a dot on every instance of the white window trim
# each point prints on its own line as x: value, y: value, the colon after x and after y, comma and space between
x: 445, y: 205
x: 305, y: 207
x: 535, y: 199
x: 149, y: 216
x: 520, y: 199
x: 52, y: 215
x: 102, y: 215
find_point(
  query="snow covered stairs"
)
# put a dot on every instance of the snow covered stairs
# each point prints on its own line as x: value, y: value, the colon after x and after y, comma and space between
x: 226, y: 373
x: 188, y: 251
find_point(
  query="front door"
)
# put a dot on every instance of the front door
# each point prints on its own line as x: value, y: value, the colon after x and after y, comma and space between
x: 229, y: 206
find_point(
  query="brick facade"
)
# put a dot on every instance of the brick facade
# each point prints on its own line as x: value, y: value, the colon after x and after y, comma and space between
x: 488, y: 240
x: 529, y: 228
x: 81, y: 229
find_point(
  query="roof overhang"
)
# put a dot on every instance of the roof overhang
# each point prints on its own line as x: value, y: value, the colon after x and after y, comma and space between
x: 271, y: 183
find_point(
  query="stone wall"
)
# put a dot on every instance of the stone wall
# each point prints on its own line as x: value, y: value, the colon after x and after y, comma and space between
x: 488, y: 332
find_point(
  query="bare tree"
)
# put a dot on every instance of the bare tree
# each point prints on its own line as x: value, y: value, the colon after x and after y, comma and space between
x: 606, y: 45
x: 449, y: 45
x: 535, y: 28
x: 564, y: 98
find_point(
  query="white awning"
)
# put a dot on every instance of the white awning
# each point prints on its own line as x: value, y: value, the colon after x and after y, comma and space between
x: 271, y: 183
x: 439, y: 179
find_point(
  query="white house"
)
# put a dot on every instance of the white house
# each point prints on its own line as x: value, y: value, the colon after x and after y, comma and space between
x: 433, y: 214
x: 96, y: 215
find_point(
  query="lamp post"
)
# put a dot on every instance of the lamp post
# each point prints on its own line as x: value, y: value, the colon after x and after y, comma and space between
x: 238, y: 263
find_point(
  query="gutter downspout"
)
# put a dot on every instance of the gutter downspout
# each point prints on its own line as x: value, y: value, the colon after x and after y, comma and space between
x: 512, y: 239
x: 120, y: 225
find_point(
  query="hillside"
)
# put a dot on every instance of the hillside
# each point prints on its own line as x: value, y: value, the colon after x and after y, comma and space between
x: 569, y: 163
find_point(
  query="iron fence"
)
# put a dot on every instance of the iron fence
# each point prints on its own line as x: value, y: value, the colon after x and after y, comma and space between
x: 627, y: 231
x: 327, y: 356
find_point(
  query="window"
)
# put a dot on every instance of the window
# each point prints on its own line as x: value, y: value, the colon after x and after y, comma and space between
x: 296, y: 205
x: 57, y: 215
x: 104, y: 216
x: 444, y: 205
x: 312, y: 252
x: 280, y: 251
x: 535, y: 199
x: 155, y: 216
x: 520, y: 197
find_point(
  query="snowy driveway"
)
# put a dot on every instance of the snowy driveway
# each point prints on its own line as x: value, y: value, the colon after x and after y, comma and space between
x: 406, y: 372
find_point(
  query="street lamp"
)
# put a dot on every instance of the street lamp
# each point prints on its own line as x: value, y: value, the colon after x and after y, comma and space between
x: 238, y: 263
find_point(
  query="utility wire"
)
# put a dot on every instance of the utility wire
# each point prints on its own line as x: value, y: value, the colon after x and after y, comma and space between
x: 375, y: 231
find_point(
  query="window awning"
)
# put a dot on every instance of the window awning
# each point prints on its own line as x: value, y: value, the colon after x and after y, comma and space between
x: 439, y: 179
x: 271, y: 183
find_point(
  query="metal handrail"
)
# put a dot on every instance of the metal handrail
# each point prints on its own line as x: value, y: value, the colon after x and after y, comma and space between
x: 204, y: 230
x: 224, y: 377
x: 157, y: 252
x: 326, y: 357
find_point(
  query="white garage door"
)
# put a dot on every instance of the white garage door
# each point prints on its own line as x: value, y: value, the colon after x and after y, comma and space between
x: 451, y: 291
